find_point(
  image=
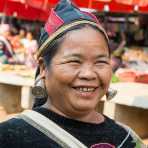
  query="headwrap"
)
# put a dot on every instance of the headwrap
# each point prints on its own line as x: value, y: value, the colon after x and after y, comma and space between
x: 64, y: 16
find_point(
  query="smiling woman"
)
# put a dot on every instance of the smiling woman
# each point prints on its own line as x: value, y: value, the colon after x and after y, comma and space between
x: 75, y: 78
x: 74, y: 73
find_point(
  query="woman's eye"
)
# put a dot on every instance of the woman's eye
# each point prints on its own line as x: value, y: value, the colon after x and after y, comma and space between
x: 74, y: 61
x: 102, y: 62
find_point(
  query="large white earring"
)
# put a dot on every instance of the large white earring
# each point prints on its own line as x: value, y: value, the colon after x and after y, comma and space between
x: 111, y: 93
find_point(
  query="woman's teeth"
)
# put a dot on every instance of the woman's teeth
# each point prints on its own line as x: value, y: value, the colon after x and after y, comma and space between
x: 85, y: 89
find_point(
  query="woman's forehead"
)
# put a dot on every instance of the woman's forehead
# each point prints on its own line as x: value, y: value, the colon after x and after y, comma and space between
x: 78, y: 47
x: 86, y: 37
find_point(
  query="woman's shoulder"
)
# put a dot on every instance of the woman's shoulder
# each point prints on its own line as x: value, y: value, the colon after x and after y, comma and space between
x: 126, y: 133
x: 133, y: 134
x: 13, y: 127
x: 16, y: 133
x: 16, y: 127
x: 11, y: 123
x: 10, y: 132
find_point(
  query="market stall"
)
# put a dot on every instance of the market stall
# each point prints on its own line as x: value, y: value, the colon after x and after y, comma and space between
x: 39, y: 9
x: 125, y: 6
x: 15, y: 87
x: 22, y: 10
x: 130, y: 105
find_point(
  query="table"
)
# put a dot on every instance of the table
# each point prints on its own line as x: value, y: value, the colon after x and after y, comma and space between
x: 130, y: 106
x: 15, y: 90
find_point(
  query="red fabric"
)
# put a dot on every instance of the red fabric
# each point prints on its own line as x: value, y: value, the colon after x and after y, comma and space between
x: 142, y: 78
x: 42, y: 4
x: 141, y: 3
x: 127, y: 76
x: 22, y: 10
x: 113, y: 6
x: 125, y: 6
x: 53, y: 22
x: 39, y: 9
x: 20, y: 1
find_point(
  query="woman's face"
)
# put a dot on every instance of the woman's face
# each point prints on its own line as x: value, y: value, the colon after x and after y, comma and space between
x: 79, y: 73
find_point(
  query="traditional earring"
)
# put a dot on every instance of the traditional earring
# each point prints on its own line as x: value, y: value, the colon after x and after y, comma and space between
x: 39, y: 90
x: 111, y: 94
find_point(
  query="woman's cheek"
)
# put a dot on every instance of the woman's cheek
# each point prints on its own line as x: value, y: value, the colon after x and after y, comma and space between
x: 66, y: 74
x: 107, y: 75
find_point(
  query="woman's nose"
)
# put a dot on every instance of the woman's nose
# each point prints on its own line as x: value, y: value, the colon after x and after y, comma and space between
x: 87, y: 72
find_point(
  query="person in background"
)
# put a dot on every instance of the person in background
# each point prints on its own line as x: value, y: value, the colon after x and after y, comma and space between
x: 117, y: 43
x: 74, y: 73
x: 3, y: 56
x: 17, y: 40
x: 7, y: 54
x: 30, y: 45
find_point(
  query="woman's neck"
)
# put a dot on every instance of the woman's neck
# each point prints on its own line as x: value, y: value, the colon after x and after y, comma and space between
x: 91, y: 117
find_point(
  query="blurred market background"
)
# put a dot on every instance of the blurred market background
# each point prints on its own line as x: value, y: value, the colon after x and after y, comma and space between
x: 126, y: 22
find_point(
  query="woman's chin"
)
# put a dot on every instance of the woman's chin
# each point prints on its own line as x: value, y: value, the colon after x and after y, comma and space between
x: 85, y: 106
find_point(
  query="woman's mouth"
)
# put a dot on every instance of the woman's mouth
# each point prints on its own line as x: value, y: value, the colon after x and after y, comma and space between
x: 85, y: 91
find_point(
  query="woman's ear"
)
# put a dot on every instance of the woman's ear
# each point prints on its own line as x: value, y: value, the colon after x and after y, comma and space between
x: 42, y: 67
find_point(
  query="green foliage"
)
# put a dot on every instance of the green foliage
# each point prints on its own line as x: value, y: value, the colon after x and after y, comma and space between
x: 114, y: 79
x: 138, y: 143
